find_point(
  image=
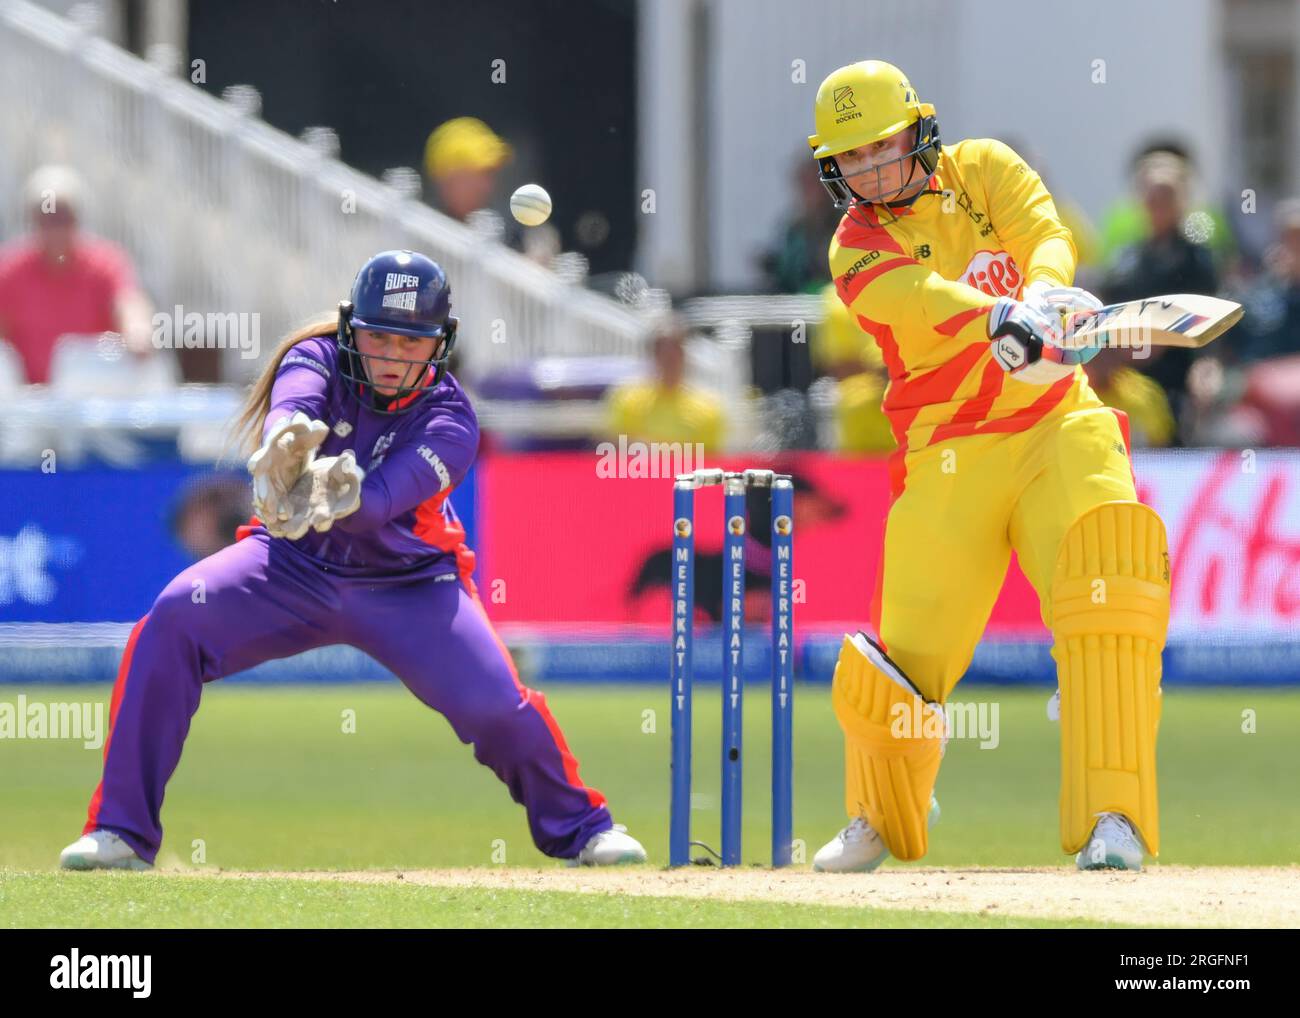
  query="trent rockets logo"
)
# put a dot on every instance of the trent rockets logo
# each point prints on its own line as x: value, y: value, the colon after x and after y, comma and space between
x: 994, y: 273
x: 845, y: 107
x: 407, y: 287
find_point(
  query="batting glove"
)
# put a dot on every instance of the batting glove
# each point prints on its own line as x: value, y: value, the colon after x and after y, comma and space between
x: 1072, y: 303
x: 1026, y: 342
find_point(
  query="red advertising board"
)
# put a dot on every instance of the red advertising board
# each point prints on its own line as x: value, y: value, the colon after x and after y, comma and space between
x: 561, y: 544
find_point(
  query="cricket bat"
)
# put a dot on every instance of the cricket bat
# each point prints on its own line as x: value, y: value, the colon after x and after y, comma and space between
x: 1179, y: 319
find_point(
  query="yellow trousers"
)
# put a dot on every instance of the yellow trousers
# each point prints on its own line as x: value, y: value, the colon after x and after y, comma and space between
x: 959, y: 509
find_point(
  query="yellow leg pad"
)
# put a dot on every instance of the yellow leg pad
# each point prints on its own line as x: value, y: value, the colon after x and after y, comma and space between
x: 893, y: 742
x: 1110, y: 613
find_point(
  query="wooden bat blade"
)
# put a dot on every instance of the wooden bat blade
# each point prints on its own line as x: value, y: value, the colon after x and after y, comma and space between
x: 1180, y: 319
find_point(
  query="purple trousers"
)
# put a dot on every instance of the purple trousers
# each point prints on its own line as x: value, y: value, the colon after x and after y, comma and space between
x: 260, y: 599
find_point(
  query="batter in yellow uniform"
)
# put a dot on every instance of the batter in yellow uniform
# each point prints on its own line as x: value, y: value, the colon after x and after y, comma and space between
x: 954, y: 259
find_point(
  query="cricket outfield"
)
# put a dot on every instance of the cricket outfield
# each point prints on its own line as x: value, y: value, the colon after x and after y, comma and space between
x: 281, y: 814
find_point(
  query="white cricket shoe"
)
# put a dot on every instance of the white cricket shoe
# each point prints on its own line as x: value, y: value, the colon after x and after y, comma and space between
x: 1114, y: 845
x: 613, y: 847
x: 859, y: 848
x: 101, y: 850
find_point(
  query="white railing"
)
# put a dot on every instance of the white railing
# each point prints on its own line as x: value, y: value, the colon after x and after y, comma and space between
x: 223, y: 213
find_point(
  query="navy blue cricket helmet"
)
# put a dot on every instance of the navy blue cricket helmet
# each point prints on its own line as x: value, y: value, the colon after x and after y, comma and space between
x: 407, y: 293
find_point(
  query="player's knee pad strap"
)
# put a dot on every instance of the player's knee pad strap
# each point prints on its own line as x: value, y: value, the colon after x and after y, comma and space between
x: 1110, y: 613
x: 893, y: 741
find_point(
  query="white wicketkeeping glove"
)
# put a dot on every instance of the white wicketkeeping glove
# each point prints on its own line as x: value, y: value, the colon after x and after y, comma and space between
x: 289, y: 448
x: 328, y: 490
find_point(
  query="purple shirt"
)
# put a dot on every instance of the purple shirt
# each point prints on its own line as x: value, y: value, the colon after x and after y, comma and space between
x: 413, y: 461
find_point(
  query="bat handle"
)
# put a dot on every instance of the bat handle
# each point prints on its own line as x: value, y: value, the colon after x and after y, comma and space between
x: 1071, y: 320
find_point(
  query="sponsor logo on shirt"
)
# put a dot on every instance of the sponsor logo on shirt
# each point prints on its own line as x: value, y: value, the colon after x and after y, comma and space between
x: 1012, y: 352
x: 381, y: 447
x: 439, y: 468
x: 306, y: 362
x: 994, y: 273
x: 858, y: 266
x: 966, y: 205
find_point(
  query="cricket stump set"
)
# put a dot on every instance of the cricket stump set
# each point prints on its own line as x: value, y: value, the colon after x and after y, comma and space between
x: 734, y: 485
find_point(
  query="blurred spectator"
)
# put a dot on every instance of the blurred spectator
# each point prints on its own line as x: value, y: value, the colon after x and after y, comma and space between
x: 1217, y: 414
x: 1150, y: 419
x: 1127, y: 222
x: 1167, y: 261
x: 840, y: 347
x: 209, y: 511
x: 665, y: 409
x: 462, y: 161
x: 1271, y: 325
x: 60, y: 280
x: 844, y: 351
x: 1245, y: 389
x: 796, y: 262
x: 1270, y: 401
x: 860, y: 422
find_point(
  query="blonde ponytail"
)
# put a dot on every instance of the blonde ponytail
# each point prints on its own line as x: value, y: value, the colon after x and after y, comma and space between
x: 247, y: 433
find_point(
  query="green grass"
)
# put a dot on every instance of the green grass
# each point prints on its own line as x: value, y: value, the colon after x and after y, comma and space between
x: 87, y: 900
x: 270, y: 781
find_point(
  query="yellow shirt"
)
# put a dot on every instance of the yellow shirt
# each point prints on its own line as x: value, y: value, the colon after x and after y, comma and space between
x: 647, y: 412
x: 922, y: 287
x: 1151, y: 421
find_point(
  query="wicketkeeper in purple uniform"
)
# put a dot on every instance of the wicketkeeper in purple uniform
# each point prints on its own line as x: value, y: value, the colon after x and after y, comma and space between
x: 372, y: 556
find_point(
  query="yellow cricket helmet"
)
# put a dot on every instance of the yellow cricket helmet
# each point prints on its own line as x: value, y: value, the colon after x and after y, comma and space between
x: 864, y: 103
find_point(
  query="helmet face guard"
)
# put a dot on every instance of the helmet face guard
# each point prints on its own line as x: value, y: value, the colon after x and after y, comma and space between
x: 925, y: 152
x: 405, y: 293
